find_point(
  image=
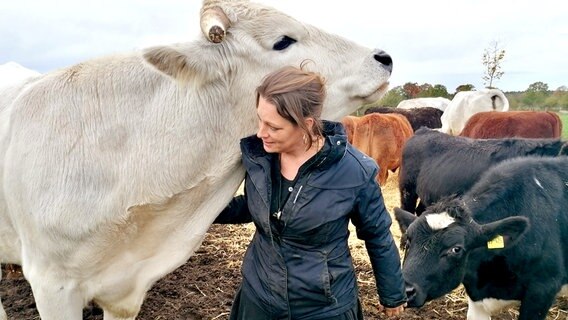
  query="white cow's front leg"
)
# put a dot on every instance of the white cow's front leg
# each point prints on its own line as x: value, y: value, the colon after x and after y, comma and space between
x: 476, y: 310
x: 482, y: 310
x: 125, y: 308
x: 110, y: 316
x: 3, y: 315
x: 55, y: 298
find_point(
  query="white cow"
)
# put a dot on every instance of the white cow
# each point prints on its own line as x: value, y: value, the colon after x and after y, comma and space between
x: 12, y: 73
x: 115, y: 168
x: 467, y: 103
x: 433, y: 102
x: 13, y: 78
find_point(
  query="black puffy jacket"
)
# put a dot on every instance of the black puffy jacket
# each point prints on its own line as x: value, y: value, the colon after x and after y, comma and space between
x: 306, y: 271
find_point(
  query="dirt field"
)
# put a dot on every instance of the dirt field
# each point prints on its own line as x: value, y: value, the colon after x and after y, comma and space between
x: 203, y: 288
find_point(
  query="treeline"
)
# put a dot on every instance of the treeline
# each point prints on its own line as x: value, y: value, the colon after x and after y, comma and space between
x: 537, y: 96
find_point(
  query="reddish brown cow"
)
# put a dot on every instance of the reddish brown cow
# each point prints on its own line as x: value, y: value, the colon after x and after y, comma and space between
x: 349, y: 123
x: 522, y: 124
x: 382, y: 137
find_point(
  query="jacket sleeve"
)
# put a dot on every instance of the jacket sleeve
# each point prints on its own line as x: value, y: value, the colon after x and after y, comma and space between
x: 235, y: 212
x: 372, y: 222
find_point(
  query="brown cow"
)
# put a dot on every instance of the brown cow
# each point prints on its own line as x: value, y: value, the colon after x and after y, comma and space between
x: 418, y: 117
x: 382, y: 137
x: 522, y: 124
x: 349, y: 123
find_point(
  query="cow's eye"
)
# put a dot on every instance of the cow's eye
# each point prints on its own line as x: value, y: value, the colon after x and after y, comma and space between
x: 283, y: 43
x: 455, y: 250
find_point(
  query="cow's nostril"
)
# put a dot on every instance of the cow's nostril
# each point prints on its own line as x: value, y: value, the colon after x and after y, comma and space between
x: 385, y: 59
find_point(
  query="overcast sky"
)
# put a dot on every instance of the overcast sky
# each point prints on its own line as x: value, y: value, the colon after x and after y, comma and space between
x: 436, y: 41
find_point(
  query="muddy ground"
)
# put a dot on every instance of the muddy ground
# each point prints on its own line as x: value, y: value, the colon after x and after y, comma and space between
x: 203, y: 288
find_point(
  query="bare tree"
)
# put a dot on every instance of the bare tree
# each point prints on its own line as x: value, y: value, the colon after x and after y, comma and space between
x: 492, y: 59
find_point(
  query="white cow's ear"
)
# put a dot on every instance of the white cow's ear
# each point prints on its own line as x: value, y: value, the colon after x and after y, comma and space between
x: 169, y: 61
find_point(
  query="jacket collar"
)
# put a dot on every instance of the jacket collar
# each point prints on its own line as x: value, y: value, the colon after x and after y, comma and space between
x: 334, y: 134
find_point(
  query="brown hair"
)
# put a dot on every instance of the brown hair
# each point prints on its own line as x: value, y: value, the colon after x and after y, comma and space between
x: 297, y: 95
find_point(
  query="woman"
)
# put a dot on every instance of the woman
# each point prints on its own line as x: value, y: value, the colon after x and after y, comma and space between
x: 303, y: 185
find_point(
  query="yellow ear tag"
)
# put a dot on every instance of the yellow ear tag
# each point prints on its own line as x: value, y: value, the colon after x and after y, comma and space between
x: 496, y: 243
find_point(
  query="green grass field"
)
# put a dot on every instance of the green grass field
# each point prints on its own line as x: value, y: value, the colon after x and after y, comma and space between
x: 564, y: 118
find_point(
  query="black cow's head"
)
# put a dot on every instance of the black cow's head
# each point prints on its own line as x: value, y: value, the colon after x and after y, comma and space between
x: 438, y: 245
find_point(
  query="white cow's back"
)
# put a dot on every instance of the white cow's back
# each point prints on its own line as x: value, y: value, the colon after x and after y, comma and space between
x: 12, y: 73
x: 467, y: 103
x: 433, y: 102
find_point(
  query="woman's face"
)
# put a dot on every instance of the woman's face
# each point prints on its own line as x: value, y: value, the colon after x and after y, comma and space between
x: 278, y: 134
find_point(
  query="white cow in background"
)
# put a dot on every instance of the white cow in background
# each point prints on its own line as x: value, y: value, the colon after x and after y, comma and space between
x: 114, y: 169
x: 12, y: 73
x: 433, y: 102
x: 467, y: 103
x: 13, y: 79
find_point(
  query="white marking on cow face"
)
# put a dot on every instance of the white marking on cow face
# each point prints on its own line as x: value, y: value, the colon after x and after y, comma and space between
x: 538, y: 183
x: 563, y: 291
x: 438, y: 221
x: 482, y: 310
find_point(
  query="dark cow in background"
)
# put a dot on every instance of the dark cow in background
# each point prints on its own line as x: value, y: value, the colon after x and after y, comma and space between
x: 436, y: 164
x: 382, y: 137
x: 418, y: 117
x: 525, y: 124
x: 505, y: 240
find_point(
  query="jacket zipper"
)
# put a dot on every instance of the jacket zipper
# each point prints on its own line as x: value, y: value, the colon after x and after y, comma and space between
x: 297, y: 194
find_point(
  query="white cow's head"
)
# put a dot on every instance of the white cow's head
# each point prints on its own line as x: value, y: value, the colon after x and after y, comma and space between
x: 243, y: 41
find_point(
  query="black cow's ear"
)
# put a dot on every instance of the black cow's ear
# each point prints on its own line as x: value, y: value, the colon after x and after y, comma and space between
x: 404, y: 218
x: 502, y: 233
x: 564, y: 149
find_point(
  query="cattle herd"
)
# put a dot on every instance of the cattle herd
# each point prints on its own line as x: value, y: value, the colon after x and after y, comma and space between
x: 114, y: 169
x: 484, y: 200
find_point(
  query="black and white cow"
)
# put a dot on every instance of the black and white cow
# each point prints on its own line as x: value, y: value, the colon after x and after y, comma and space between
x: 505, y: 240
x: 435, y: 164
